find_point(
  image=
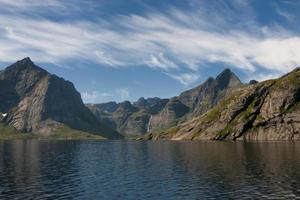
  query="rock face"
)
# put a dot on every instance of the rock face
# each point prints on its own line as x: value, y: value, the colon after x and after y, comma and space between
x: 153, y: 114
x: 251, y: 82
x: 38, y: 102
x: 196, y: 101
x: 127, y: 118
x: 269, y: 110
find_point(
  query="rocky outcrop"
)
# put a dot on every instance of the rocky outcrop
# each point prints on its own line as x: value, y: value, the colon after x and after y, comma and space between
x: 38, y: 102
x: 130, y: 119
x: 154, y: 114
x: 251, y: 82
x: 173, y: 111
x: 196, y: 101
x: 269, y: 110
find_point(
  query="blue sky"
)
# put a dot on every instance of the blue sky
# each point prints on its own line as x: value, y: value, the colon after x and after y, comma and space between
x: 115, y: 50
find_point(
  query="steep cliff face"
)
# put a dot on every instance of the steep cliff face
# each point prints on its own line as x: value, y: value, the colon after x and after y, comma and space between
x: 210, y: 92
x: 38, y: 102
x: 130, y: 119
x: 261, y: 111
x: 196, y: 101
x: 16, y: 81
x: 153, y: 114
x: 169, y: 115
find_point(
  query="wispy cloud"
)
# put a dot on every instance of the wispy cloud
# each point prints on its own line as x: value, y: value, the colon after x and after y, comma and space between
x: 175, y: 40
x: 29, y: 3
x: 95, y: 96
x: 160, y: 61
x: 185, y: 78
x: 108, y: 60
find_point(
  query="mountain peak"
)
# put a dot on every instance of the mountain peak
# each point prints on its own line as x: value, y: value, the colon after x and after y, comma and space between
x: 38, y: 102
x: 23, y: 68
x: 25, y: 60
x: 225, y: 73
x: 227, y: 79
x: 24, y: 64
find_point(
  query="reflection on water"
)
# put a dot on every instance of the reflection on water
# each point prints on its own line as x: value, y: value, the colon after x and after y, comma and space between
x: 35, y: 169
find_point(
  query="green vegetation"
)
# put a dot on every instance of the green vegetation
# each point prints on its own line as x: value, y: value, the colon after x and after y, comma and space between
x: 249, y: 110
x: 292, y: 108
x: 216, y: 111
x: 14, y: 109
x: 65, y: 132
x: 173, y: 130
x: 139, y: 115
x: 225, y: 132
x: 288, y: 80
x: 170, y: 126
x: 9, y: 133
x: 260, y: 118
x: 213, y: 114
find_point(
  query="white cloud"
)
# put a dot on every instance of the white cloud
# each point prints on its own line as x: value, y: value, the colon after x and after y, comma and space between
x: 119, y: 94
x: 263, y: 76
x: 185, y: 79
x: 107, y: 59
x: 153, y: 40
x: 123, y: 93
x: 94, y: 96
x: 161, y: 62
x: 29, y: 3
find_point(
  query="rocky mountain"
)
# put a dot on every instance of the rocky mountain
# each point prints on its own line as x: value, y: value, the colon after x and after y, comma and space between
x: 269, y: 110
x: 128, y: 118
x: 196, y: 101
x: 152, y: 114
x: 35, y: 101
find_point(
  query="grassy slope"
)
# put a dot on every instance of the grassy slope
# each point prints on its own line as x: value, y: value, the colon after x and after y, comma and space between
x: 290, y: 80
x: 66, y: 132
x: 8, y: 133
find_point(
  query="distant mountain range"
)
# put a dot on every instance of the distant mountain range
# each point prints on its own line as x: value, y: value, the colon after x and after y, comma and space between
x: 221, y: 108
x: 153, y: 114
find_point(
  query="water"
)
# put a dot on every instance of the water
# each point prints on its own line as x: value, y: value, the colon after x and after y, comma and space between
x: 35, y: 169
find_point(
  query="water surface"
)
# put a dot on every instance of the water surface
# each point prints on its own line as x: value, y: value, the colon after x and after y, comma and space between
x: 33, y: 169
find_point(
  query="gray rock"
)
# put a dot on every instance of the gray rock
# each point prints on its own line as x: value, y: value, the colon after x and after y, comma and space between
x: 38, y: 102
x: 269, y: 110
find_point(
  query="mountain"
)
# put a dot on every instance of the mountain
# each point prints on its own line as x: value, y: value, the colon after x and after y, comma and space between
x: 269, y: 110
x: 153, y: 114
x: 128, y: 118
x: 35, y: 101
x: 196, y: 101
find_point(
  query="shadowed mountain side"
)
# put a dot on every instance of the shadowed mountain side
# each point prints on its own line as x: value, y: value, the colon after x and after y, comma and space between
x: 152, y: 114
x: 127, y: 118
x: 195, y: 102
x: 36, y: 101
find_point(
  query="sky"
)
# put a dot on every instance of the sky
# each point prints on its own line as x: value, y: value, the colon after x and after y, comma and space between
x: 116, y: 50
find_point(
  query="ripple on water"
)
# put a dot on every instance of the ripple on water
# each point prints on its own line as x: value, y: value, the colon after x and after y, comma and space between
x: 35, y: 169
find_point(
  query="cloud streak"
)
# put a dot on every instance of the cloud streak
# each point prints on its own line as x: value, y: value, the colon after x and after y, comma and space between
x: 172, y: 42
x: 185, y: 78
x: 95, y: 96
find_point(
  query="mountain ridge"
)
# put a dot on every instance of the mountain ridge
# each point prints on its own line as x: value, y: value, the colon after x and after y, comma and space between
x: 154, y: 113
x: 42, y: 103
x: 261, y: 111
x: 221, y: 108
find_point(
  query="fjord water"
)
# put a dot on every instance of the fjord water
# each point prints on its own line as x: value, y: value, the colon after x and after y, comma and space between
x: 33, y: 169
